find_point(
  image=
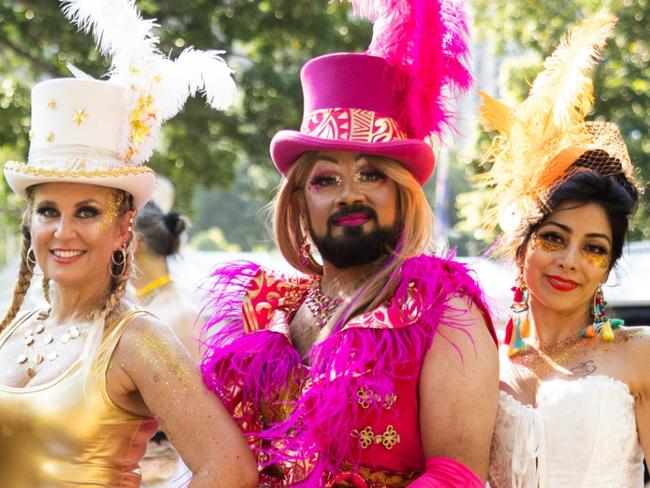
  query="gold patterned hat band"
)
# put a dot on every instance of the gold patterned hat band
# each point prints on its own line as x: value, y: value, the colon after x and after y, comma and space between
x: 75, y: 171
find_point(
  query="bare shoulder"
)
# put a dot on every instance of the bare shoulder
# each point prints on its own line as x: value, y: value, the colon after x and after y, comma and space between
x: 634, y: 342
x: 146, y: 339
x: 465, y: 328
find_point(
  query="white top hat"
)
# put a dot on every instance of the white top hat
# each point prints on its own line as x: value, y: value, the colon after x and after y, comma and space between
x: 80, y: 132
x: 102, y: 132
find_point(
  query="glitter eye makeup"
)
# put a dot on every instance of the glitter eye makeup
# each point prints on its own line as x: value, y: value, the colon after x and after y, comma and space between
x: 369, y: 174
x: 325, y: 180
x: 548, y: 242
x: 599, y: 258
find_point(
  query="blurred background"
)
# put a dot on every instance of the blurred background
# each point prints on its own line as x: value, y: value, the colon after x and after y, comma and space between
x: 218, y: 163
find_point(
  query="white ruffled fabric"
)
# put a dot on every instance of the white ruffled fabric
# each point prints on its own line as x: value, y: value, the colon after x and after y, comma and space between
x: 582, y: 433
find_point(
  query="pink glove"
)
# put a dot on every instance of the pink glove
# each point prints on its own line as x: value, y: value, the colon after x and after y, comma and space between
x: 442, y: 472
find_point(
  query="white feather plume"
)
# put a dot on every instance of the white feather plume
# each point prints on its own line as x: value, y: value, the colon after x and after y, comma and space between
x: 157, y: 87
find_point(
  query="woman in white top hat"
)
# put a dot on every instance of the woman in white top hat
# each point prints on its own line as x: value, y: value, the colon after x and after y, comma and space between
x: 84, y: 383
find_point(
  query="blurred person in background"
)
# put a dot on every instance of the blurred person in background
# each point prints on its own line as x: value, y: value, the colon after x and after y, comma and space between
x: 158, y: 238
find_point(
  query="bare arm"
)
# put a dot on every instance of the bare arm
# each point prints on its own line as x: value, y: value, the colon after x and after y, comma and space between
x: 459, y: 392
x: 640, y: 387
x: 151, y: 374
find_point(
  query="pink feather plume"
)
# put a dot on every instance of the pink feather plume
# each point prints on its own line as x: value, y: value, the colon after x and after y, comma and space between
x: 428, y: 39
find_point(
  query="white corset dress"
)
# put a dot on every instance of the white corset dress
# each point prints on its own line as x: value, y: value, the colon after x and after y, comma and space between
x: 581, y: 434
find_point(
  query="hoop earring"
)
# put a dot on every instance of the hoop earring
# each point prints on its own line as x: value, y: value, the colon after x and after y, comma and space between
x: 518, y: 326
x: 118, y: 262
x: 31, y: 261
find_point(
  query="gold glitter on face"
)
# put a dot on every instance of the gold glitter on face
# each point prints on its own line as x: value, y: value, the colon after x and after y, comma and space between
x: 548, y: 240
x: 114, y: 205
x: 547, y: 243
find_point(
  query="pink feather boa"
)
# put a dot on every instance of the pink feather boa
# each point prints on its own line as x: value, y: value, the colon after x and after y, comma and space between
x: 257, y: 365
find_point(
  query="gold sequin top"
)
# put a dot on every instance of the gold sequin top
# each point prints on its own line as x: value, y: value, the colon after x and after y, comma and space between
x: 68, y: 432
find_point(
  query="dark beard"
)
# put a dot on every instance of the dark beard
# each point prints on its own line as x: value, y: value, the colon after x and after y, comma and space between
x: 355, y: 247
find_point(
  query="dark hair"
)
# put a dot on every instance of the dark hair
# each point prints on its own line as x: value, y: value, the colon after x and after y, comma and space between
x: 160, y: 231
x: 616, y: 195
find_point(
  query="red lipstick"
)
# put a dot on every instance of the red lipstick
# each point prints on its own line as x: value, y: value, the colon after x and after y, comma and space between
x: 561, y: 284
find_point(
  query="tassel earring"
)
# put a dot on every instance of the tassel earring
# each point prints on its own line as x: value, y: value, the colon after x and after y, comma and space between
x: 601, y: 325
x: 518, y: 326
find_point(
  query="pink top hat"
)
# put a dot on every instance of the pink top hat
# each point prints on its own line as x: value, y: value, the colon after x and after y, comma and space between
x: 352, y: 103
x: 390, y: 99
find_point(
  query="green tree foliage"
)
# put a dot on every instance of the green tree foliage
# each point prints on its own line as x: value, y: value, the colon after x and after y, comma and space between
x: 524, y: 32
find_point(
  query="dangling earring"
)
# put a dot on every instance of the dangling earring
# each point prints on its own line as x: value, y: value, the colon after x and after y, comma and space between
x: 518, y: 326
x: 601, y: 324
x: 305, y: 253
x: 118, y: 260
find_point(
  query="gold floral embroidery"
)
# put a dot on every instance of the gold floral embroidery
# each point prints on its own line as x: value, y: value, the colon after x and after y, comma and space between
x: 366, y: 397
x: 50, y: 137
x: 367, y: 437
x: 51, y: 104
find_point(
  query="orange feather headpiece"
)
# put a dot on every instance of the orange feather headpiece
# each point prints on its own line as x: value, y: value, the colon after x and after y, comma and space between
x: 540, y: 139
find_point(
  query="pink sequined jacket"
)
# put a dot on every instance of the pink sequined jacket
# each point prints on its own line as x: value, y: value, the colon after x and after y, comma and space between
x: 350, y: 418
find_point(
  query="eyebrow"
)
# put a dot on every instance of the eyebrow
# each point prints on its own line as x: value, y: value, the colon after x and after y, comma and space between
x: 568, y: 229
x: 86, y: 202
x: 321, y: 157
x: 79, y: 204
x: 326, y: 158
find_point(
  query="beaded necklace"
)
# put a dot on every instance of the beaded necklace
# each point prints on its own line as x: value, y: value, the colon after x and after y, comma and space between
x: 321, y: 306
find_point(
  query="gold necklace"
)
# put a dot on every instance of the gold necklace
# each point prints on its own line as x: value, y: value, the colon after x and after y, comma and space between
x: 153, y: 285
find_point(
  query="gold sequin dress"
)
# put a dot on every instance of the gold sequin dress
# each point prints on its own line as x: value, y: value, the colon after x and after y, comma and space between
x: 68, y: 432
